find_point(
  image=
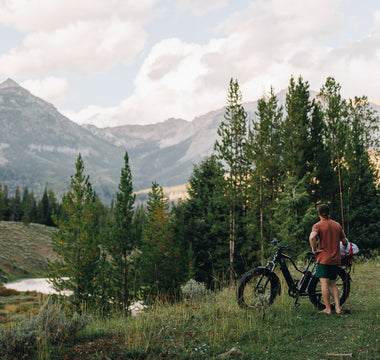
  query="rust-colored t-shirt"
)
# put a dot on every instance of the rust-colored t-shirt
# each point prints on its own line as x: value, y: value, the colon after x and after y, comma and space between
x: 329, y: 233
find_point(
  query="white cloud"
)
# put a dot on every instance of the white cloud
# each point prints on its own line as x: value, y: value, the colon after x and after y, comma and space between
x: 94, y: 115
x: 262, y: 47
x: 84, y: 48
x: 48, y: 15
x: 167, y: 85
x: 82, y: 37
x: 51, y: 89
x: 201, y: 7
x: 354, y: 64
x: 273, y: 40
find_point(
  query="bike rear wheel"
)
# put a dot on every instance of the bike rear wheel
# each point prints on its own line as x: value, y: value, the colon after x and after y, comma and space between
x: 257, y: 288
x: 315, y: 291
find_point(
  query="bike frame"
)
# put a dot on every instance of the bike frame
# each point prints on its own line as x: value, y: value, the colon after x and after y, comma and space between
x: 296, y: 287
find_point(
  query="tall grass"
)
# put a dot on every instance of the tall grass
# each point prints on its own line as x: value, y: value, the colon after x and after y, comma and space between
x: 210, y: 327
x: 213, y: 325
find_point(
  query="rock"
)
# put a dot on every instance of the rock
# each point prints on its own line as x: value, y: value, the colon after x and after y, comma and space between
x: 234, y: 352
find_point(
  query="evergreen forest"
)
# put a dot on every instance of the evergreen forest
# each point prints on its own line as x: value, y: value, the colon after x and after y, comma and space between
x: 263, y: 181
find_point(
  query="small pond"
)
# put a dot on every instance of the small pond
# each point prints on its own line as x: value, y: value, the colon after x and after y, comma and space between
x: 40, y: 285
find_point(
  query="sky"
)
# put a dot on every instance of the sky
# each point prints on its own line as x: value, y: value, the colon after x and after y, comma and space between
x: 117, y: 62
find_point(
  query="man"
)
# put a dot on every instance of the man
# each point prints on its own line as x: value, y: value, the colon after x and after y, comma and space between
x: 329, y: 233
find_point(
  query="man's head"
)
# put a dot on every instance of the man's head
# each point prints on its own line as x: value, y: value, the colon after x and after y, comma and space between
x: 324, y: 211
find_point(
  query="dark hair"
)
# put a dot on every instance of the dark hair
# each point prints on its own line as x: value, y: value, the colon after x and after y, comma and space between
x: 324, y: 210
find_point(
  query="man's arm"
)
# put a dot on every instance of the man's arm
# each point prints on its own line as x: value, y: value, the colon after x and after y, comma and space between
x: 313, y: 242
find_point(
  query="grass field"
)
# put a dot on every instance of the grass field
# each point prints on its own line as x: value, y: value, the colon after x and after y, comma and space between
x: 210, y: 328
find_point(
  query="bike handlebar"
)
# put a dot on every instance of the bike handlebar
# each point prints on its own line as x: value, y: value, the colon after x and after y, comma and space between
x: 282, y: 247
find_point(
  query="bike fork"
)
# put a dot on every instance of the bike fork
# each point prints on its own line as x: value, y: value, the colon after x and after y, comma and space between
x: 296, y: 304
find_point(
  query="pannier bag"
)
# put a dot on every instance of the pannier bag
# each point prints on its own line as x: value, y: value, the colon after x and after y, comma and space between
x: 347, y: 253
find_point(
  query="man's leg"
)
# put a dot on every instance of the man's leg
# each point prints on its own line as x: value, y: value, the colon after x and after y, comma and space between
x: 326, y: 294
x: 335, y: 293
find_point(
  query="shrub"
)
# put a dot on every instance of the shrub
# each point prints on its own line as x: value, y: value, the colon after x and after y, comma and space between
x: 52, y: 322
x: 19, y: 342
x: 193, y: 290
x: 49, y: 326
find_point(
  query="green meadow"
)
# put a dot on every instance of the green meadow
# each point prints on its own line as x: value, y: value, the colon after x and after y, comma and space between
x: 216, y: 328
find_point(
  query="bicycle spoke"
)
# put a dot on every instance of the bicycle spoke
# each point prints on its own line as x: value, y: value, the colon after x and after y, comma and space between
x: 257, y: 291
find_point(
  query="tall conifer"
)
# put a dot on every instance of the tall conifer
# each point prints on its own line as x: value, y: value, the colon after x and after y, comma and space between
x: 2, y: 203
x: 361, y: 200
x: 230, y: 148
x: 266, y: 153
x: 122, y: 241
x: 16, y: 207
x: 334, y: 109
x: 202, y: 222
x: 297, y: 128
x: 43, y: 209
x: 161, y: 257
x: 76, y: 242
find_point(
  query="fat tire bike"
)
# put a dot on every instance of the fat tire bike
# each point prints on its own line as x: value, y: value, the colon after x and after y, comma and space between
x: 260, y: 286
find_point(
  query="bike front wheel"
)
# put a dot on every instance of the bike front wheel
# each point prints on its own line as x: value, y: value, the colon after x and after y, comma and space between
x: 257, y: 288
x: 315, y: 291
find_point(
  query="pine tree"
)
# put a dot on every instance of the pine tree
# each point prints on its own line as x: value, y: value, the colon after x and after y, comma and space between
x: 293, y: 214
x: 54, y: 208
x: 161, y: 264
x: 43, y: 209
x: 29, y: 207
x: 122, y: 240
x: 202, y: 224
x: 5, y: 204
x: 138, y: 225
x: 297, y: 129
x: 231, y: 150
x: 266, y: 152
x: 2, y: 204
x: 334, y: 109
x: 76, y: 242
x: 16, y: 207
x: 318, y: 167
x: 362, y: 200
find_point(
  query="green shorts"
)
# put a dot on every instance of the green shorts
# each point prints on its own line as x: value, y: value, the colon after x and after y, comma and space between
x: 326, y: 271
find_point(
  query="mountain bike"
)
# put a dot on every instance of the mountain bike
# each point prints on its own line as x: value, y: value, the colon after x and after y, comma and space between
x: 260, y: 286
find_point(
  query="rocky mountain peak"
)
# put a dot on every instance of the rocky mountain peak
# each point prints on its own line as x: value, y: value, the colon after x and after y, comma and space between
x: 9, y: 83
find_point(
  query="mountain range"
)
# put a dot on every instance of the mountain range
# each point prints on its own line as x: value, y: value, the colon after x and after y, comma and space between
x: 39, y: 146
